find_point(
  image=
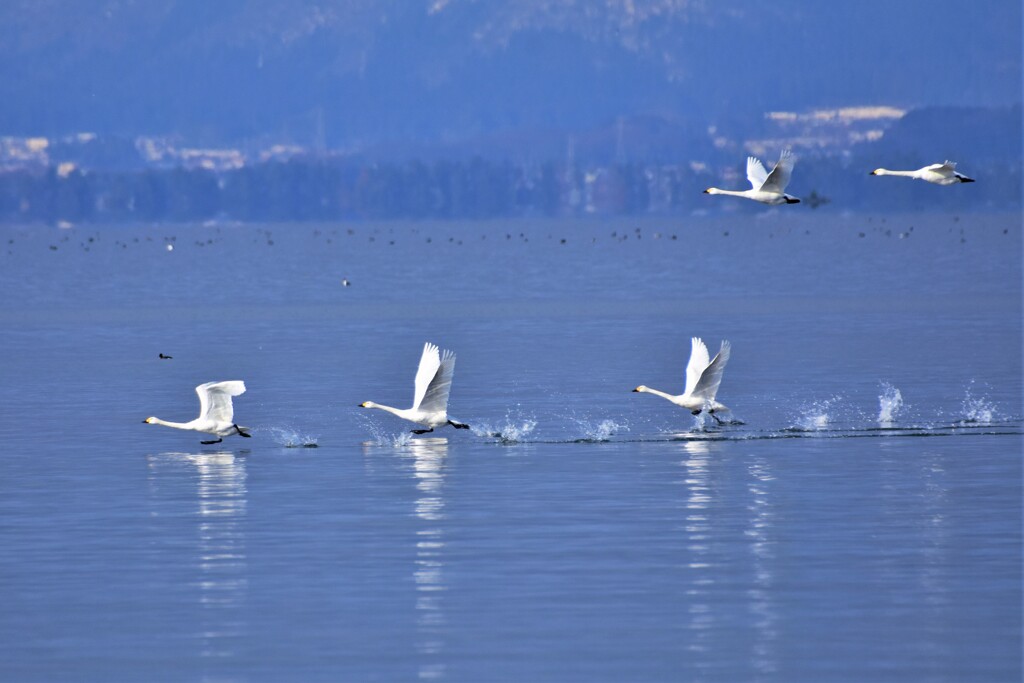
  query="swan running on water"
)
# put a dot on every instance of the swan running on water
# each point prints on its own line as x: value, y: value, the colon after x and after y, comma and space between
x: 767, y: 188
x: 216, y: 414
x: 430, y: 400
x: 703, y: 376
x: 939, y: 174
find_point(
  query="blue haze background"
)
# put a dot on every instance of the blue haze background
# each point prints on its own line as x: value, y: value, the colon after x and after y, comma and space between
x: 418, y: 72
x: 605, y: 536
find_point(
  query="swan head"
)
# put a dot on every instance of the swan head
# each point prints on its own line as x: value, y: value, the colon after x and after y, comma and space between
x: 149, y: 420
x: 711, y: 190
x: 640, y: 388
x: 367, y: 404
x: 878, y: 171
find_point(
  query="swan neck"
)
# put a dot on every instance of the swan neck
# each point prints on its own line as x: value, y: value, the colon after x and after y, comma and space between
x: 659, y: 393
x: 885, y: 171
x: 732, y: 193
x: 175, y: 425
x: 387, y: 409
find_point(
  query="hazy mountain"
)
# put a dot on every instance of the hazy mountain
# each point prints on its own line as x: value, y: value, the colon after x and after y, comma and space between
x: 355, y: 72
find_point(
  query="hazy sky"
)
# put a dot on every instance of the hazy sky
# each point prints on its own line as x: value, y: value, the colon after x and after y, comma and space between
x: 422, y: 69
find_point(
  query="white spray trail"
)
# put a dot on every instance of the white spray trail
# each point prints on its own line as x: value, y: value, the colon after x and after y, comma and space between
x: 977, y: 409
x: 890, y: 403
x: 291, y: 438
x: 599, y: 431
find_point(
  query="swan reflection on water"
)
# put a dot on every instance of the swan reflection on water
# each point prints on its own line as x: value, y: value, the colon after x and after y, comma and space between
x: 219, y: 480
x: 428, y: 459
x: 706, y: 572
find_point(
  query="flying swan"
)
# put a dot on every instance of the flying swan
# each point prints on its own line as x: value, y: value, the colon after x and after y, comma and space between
x: 430, y: 400
x: 939, y: 174
x: 216, y: 415
x: 767, y: 188
x: 702, y: 379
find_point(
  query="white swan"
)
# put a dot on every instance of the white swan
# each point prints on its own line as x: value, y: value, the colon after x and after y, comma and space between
x: 216, y: 414
x: 939, y: 174
x: 767, y: 188
x: 430, y: 400
x: 703, y: 376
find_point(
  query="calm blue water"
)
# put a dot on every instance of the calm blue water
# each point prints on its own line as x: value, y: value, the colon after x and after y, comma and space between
x: 864, y: 523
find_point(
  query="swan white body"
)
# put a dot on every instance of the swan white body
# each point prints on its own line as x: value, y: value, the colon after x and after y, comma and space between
x: 938, y: 174
x: 216, y: 414
x: 767, y: 188
x: 703, y: 377
x: 430, y: 399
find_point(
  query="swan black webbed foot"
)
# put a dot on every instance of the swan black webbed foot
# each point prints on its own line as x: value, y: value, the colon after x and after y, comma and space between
x: 458, y: 425
x: 421, y: 431
x: 241, y: 433
x: 208, y: 443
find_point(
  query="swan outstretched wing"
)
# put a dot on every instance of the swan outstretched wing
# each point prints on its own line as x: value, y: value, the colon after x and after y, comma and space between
x: 707, y: 386
x: 699, y: 359
x: 778, y: 179
x: 430, y: 361
x: 435, y: 396
x: 756, y: 173
x: 215, y: 400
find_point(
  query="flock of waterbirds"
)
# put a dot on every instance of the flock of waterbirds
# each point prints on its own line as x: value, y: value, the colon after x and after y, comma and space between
x: 766, y: 188
x: 770, y: 188
x: 432, y: 386
x: 436, y: 368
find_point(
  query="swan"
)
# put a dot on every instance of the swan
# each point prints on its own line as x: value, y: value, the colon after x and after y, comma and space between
x: 430, y: 399
x: 702, y: 379
x: 767, y: 188
x: 216, y: 415
x: 939, y: 174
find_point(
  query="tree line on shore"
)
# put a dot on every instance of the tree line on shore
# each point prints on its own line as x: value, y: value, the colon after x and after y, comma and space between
x: 311, y: 189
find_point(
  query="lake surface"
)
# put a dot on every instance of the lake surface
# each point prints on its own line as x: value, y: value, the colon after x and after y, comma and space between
x: 863, y: 523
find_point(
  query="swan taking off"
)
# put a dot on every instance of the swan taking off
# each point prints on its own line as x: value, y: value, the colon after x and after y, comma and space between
x: 767, y: 188
x: 939, y: 174
x: 702, y: 379
x: 216, y: 414
x: 430, y: 401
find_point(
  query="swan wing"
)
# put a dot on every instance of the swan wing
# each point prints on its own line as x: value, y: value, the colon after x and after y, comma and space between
x: 707, y: 385
x: 436, y: 398
x: 778, y: 179
x: 944, y: 169
x: 215, y: 400
x: 699, y: 360
x: 430, y: 361
x: 756, y: 173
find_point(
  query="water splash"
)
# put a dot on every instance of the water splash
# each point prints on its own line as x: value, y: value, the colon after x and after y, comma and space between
x: 513, y: 430
x: 599, y: 432
x: 977, y: 409
x: 890, y: 403
x: 817, y: 416
x: 291, y: 438
x: 380, y: 437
